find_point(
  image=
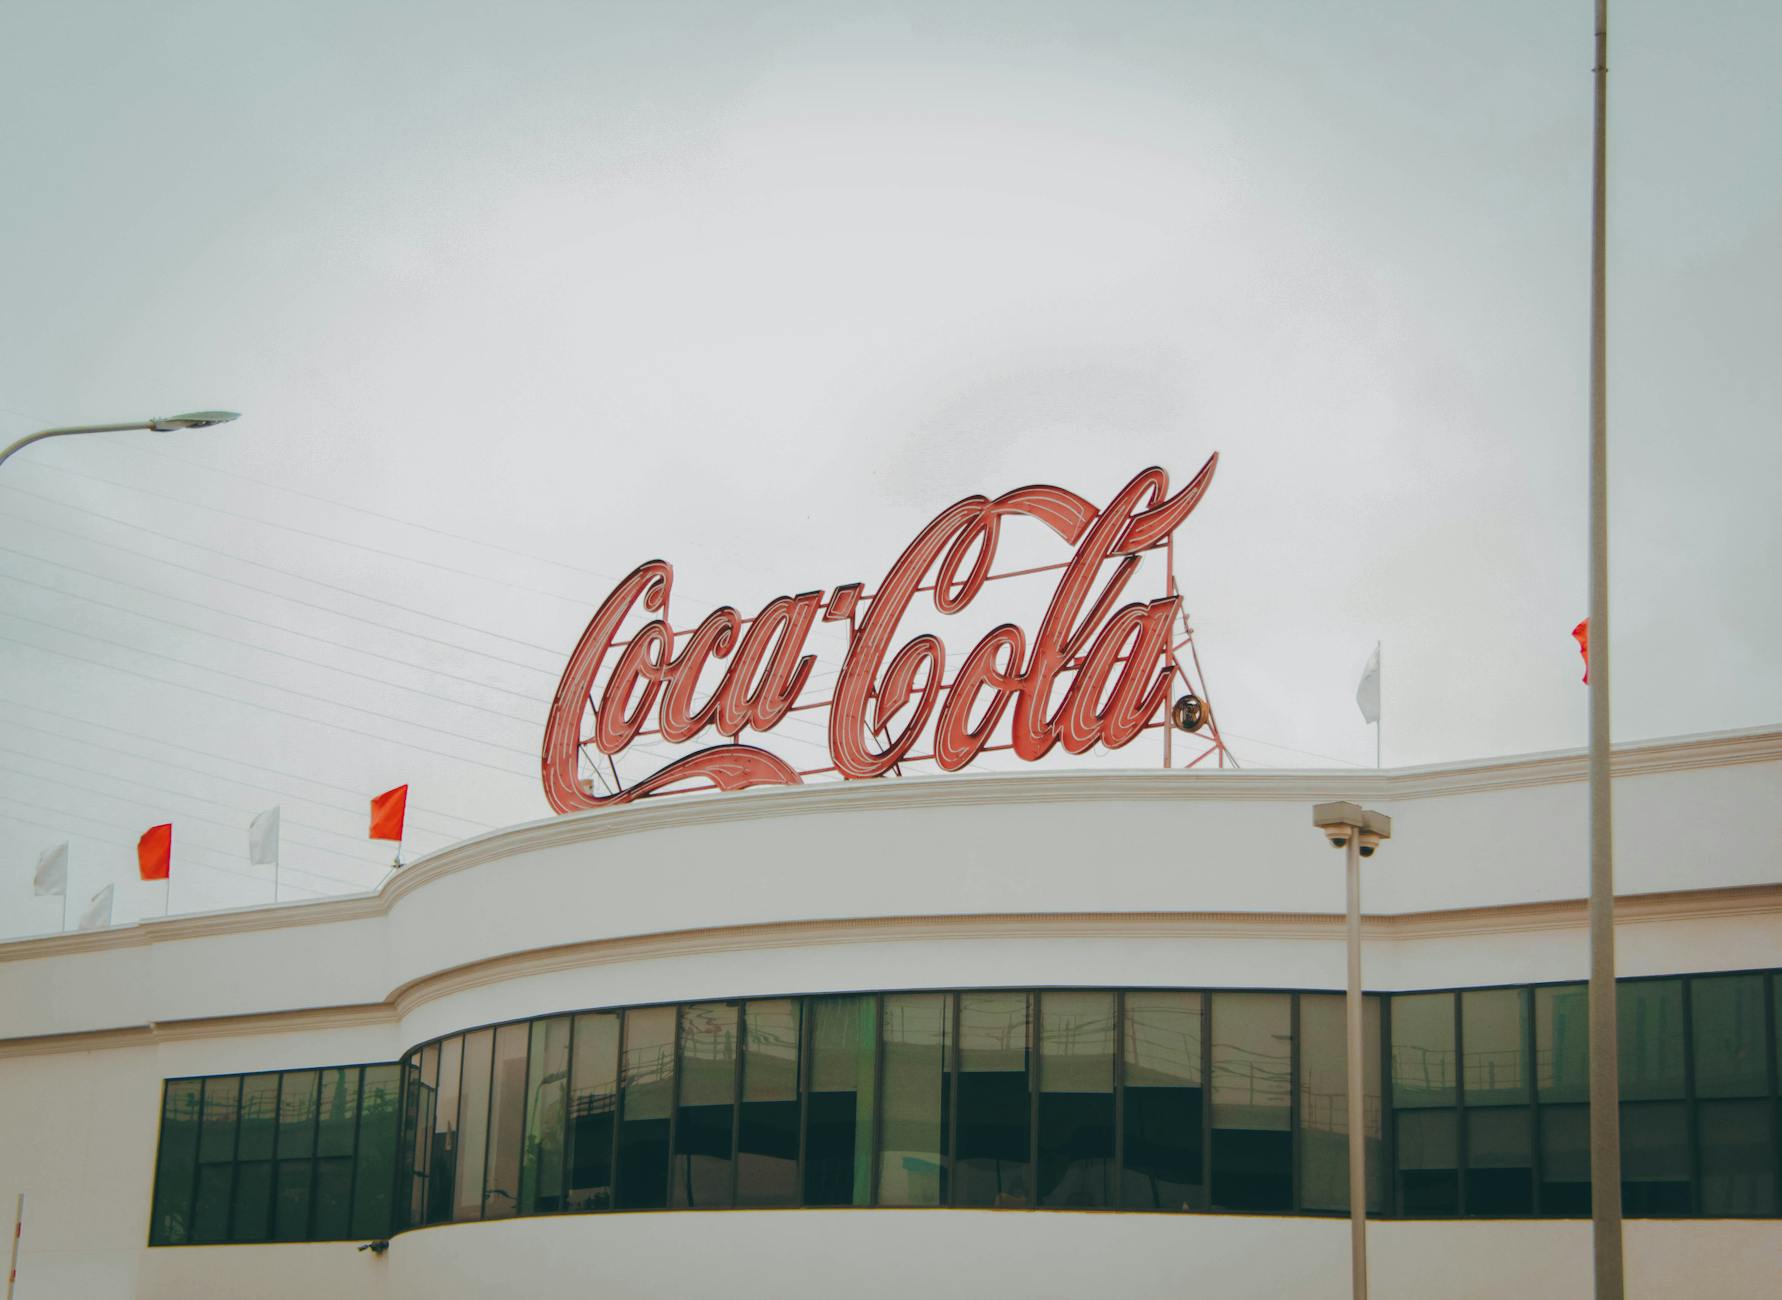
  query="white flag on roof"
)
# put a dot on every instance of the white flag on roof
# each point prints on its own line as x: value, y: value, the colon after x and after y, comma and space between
x: 51, y: 879
x: 1367, y: 695
x: 263, y: 839
x: 98, y: 913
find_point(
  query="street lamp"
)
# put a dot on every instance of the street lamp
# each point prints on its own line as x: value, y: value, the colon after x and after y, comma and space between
x: 190, y: 420
x: 1359, y: 831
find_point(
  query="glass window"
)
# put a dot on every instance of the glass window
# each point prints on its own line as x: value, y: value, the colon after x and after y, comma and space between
x: 839, y: 1105
x: 334, y: 1199
x: 593, y: 1110
x: 547, y: 1105
x: 297, y: 1114
x: 251, y: 1217
x: 705, y: 1125
x: 1655, y: 1159
x: 421, y: 1110
x: 913, y: 1152
x: 337, y: 1112
x: 507, y: 1122
x: 1164, y: 1102
x: 178, y: 1161
x: 473, y: 1124
x: 1428, y: 1163
x: 442, y: 1166
x: 1494, y: 1029
x: 1423, y: 1056
x: 1324, y: 1102
x: 291, y: 1197
x: 216, y: 1154
x: 1562, y: 1044
x: 210, y: 1207
x: 259, y: 1117
x: 1726, y: 1021
x: 1076, y: 1099
x: 1252, y: 1059
x: 767, y: 1129
x: 1649, y: 1028
x: 646, y: 1101
x: 1499, y: 1162
x: 1565, y: 1161
x: 995, y: 1103
x: 1738, y: 1154
x: 375, y: 1170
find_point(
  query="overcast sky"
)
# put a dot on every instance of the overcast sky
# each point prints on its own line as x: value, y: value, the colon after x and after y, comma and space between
x: 514, y: 297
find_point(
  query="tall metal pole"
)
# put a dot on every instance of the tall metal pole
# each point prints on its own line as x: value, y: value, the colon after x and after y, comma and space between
x: 18, y: 1227
x: 1605, y: 1105
x: 1352, y: 1026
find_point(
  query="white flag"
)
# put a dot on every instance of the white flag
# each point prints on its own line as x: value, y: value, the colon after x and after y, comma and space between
x: 1367, y: 695
x: 263, y: 839
x: 51, y: 879
x: 98, y: 913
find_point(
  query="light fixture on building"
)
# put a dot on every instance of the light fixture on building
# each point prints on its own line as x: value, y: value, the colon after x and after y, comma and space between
x: 1189, y: 713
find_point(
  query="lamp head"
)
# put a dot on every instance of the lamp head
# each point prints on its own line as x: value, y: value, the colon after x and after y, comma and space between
x: 193, y: 420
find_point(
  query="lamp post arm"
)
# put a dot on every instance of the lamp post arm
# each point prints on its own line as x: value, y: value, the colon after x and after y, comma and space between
x: 41, y: 434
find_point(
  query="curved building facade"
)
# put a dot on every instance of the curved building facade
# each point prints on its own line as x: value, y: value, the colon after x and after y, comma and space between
x: 1052, y: 1033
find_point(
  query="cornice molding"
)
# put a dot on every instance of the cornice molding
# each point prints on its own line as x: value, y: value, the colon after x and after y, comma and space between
x: 1053, y: 786
x: 1325, y: 927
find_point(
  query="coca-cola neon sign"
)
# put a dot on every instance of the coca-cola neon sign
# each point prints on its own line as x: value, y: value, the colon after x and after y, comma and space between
x: 1119, y: 658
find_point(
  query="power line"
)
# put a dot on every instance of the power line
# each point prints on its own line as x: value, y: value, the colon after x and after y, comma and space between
x: 248, y: 618
x: 255, y: 681
x: 233, y: 762
x: 285, y: 713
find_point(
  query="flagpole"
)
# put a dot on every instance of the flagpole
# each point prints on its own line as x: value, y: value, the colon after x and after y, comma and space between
x: 1605, y: 1102
x: 1380, y: 720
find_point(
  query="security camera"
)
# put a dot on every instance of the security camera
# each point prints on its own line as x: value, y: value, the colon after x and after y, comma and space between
x: 1338, y: 835
x: 1370, y: 840
x: 1340, y: 820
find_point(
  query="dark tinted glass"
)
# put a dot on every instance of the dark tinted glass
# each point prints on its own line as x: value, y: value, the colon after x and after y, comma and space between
x: 917, y: 1035
x: 420, y: 1109
x: 1162, y: 1133
x: 259, y: 1117
x: 1324, y: 1102
x: 1726, y: 1021
x: 337, y: 1112
x: 210, y: 1209
x: 1738, y: 1155
x: 375, y: 1166
x: 297, y: 1114
x: 1494, y: 1028
x: 593, y: 1110
x: 1565, y: 1161
x: 1428, y: 1163
x: 705, y: 1126
x: 1423, y: 1055
x: 994, y: 1100
x: 507, y: 1122
x: 767, y: 1133
x: 1252, y: 1058
x: 1649, y: 1027
x: 839, y: 1104
x: 1076, y: 1098
x: 333, y: 1199
x: 443, y: 1165
x: 178, y: 1162
x: 291, y: 1200
x: 547, y: 1107
x: 216, y: 1136
x: 251, y: 1218
x: 1562, y: 1043
x: 1500, y: 1162
x: 646, y: 1098
x: 1655, y: 1159
x: 473, y: 1124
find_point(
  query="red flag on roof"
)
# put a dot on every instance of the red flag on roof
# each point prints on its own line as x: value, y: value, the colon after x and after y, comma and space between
x: 1582, y: 633
x: 387, y: 812
x: 154, y: 852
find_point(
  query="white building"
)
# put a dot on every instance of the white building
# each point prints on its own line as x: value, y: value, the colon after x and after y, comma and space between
x: 1107, y: 995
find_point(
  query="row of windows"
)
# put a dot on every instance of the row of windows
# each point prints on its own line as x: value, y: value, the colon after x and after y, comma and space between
x: 1139, y: 1099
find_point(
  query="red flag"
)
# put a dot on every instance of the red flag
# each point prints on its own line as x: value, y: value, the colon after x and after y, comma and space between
x: 154, y: 852
x: 1582, y: 633
x: 387, y: 812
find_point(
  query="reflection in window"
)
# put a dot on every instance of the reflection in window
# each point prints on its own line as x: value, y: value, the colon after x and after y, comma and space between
x: 216, y: 1152
x: 839, y: 1108
x: 1076, y: 1098
x: 296, y: 1144
x: 1565, y: 1161
x: 593, y: 1109
x: 418, y: 1129
x: 251, y: 1217
x: 1500, y: 1162
x: 1252, y: 1059
x: 473, y: 1124
x: 1494, y: 1027
x: 1162, y: 1140
x: 1423, y: 1057
x: 507, y: 1122
x: 913, y: 1143
x: 1649, y: 1031
x: 705, y: 1124
x: 646, y: 1097
x: 442, y: 1168
x: 1428, y: 1163
x: 1324, y: 1102
x: 1655, y: 1159
x: 375, y: 1164
x: 177, y: 1163
x: 994, y: 1100
x: 1738, y: 1154
x: 1562, y: 1043
x: 767, y: 1128
x: 1726, y: 1019
x: 547, y: 1105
